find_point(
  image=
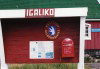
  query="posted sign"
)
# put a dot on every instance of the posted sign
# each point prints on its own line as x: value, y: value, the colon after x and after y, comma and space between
x: 44, y: 12
x: 41, y: 50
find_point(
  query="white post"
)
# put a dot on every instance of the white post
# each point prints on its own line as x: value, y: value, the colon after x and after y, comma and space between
x: 82, y: 43
x: 2, y: 54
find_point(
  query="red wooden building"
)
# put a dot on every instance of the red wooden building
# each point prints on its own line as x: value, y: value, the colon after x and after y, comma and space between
x: 52, y: 35
x: 92, y: 45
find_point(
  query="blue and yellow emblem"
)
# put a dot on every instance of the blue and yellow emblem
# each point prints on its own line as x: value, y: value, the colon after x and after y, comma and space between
x: 52, y: 30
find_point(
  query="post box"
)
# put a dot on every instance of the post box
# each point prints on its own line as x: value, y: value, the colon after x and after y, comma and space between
x: 67, y: 48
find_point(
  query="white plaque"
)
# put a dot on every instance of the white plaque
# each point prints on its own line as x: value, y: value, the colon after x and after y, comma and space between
x: 41, y: 50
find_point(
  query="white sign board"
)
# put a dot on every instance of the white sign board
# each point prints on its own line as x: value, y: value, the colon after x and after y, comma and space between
x: 41, y: 50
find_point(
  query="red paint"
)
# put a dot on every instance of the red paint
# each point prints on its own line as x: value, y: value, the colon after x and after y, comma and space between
x: 67, y: 48
x: 43, y: 12
x: 95, y: 37
x: 18, y: 32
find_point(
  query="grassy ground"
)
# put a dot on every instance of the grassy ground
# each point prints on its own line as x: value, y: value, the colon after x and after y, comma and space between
x: 43, y: 66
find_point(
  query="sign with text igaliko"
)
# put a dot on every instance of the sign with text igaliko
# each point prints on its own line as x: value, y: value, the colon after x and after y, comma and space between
x: 46, y: 12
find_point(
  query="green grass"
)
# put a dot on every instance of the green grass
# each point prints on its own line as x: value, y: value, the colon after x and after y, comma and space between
x: 43, y: 66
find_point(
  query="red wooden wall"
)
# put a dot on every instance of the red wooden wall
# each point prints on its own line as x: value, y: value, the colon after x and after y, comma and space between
x: 94, y: 43
x: 18, y: 32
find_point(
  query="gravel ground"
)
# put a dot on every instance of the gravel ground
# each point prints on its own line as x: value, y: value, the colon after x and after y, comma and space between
x: 93, y: 65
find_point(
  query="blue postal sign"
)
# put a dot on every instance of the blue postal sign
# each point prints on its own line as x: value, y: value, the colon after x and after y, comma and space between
x: 95, y: 30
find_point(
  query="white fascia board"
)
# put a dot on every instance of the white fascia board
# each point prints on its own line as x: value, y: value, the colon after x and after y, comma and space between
x: 59, y: 12
x: 18, y: 13
x: 92, y: 19
x: 70, y: 12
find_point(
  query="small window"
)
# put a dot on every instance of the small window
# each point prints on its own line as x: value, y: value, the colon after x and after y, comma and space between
x: 88, y: 31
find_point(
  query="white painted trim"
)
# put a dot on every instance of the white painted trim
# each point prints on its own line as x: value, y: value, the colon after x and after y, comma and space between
x: 2, y: 54
x: 82, y: 43
x: 89, y: 32
x: 92, y: 19
x: 59, y: 12
x: 18, y: 13
x: 70, y: 12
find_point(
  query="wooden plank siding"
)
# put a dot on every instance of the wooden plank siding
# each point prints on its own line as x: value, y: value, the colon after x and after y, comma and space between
x: 18, y: 32
x: 94, y: 43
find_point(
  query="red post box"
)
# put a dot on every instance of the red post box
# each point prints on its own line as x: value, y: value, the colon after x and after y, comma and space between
x: 67, y: 48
